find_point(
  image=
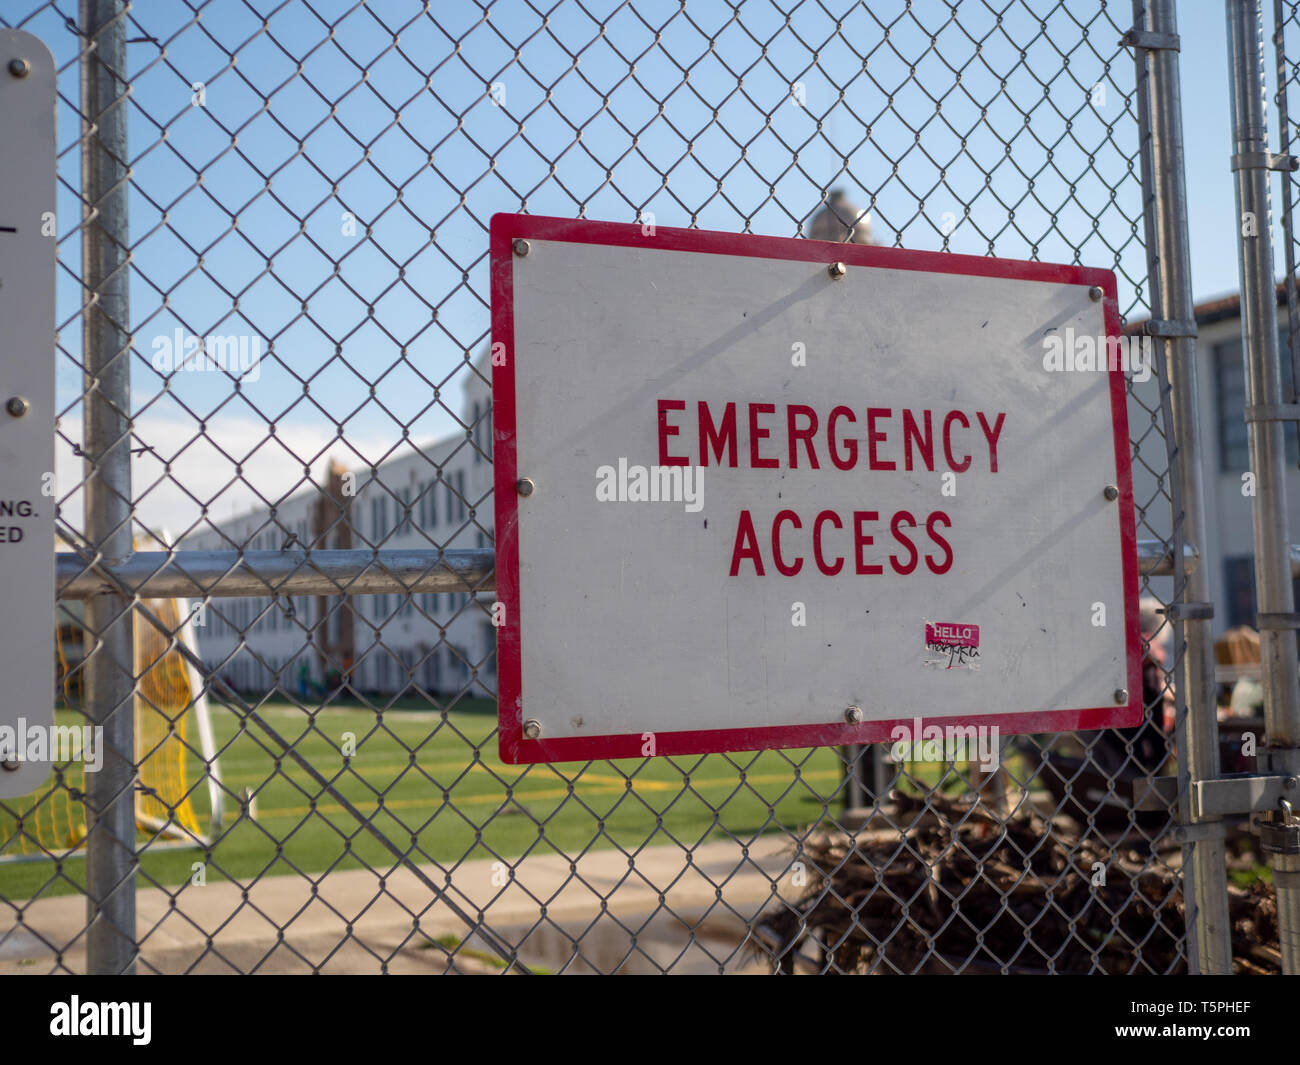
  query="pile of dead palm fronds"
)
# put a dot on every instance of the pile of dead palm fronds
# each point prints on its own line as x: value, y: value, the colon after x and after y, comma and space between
x: 947, y: 887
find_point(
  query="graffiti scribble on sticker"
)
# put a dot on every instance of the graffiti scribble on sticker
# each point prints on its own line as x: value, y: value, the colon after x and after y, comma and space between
x: 952, y: 645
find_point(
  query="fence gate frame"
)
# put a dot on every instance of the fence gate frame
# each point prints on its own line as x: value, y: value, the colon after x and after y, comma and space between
x: 110, y: 576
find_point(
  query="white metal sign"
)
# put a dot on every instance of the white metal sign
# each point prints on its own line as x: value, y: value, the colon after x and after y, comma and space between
x: 27, y: 250
x: 755, y: 492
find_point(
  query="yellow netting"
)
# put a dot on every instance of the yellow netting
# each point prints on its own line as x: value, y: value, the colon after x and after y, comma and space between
x: 52, y: 819
x: 162, y: 701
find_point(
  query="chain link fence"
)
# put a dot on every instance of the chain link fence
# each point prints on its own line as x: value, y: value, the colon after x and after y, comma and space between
x: 1286, y: 26
x: 273, y: 308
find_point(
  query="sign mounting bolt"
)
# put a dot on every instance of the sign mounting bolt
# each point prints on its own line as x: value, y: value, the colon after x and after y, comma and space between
x: 17, y: 406
x: 11, y: 765
x: 1096, y: 293
x: 19, y: 67
x: 837, y: 271
x: 1121, y: 696
x: 524, y: 486
x: 532, y: 729
x: 1111, y: 492
x: 853, y: 715
x: 521, y: 247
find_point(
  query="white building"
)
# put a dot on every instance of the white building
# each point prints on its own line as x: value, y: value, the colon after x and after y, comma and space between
x: 1228, y: 553
x: 436, y: 497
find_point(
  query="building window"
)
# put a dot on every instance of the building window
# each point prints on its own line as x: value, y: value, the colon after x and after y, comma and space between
x: 431, y: 671
x: 378, y: 518
x: 490, y: 643
x: 482, y: 432
x: 1230, y: 398
x: 1239, y: 590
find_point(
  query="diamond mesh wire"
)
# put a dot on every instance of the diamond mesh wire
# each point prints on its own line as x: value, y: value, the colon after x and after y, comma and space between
x: 309, y: 192
x: 1286, y: 24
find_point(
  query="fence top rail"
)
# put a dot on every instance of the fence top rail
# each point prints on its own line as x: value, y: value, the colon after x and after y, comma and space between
x: 162, y: 574
x: 195, y: 574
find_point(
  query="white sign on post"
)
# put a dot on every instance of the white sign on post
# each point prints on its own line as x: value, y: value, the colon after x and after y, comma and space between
x: 27, y: 246
x: 754, y: 492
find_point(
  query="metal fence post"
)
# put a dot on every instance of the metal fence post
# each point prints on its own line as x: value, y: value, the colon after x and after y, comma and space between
x: 1160, y: 114
x: 110, y: 684
x: 1253, y: 164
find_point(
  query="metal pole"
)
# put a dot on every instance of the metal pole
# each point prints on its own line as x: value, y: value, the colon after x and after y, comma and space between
x: 1252, y: 164
x: 1205, y: 888
x: 855, y: 797
x: 227, y: 574
x: 110, y: 793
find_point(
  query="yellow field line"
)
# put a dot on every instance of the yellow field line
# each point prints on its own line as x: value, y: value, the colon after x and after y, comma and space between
x: 483, y: 767
x: 483, y: 800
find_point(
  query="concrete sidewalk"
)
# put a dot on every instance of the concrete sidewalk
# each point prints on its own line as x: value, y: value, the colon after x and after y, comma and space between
x: 631, y: 914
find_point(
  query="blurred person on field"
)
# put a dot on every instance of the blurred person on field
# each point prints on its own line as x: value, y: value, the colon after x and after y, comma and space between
x: 1148, y: 739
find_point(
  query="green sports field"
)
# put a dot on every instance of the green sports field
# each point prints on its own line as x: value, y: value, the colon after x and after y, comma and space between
x: 432, y: 783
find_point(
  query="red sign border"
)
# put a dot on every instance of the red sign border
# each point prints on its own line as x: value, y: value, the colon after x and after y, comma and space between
x: 514, y: 748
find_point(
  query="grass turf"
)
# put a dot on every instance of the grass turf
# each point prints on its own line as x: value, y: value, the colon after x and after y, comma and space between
x: 432, y: 783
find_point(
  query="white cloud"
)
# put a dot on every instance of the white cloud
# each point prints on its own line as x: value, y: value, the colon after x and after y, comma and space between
x: 176, y: 470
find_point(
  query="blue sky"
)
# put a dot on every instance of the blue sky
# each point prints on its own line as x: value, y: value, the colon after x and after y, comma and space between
x: 354, y: 241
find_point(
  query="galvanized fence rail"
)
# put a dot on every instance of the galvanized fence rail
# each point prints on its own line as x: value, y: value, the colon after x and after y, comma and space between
x: 304, y: 190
